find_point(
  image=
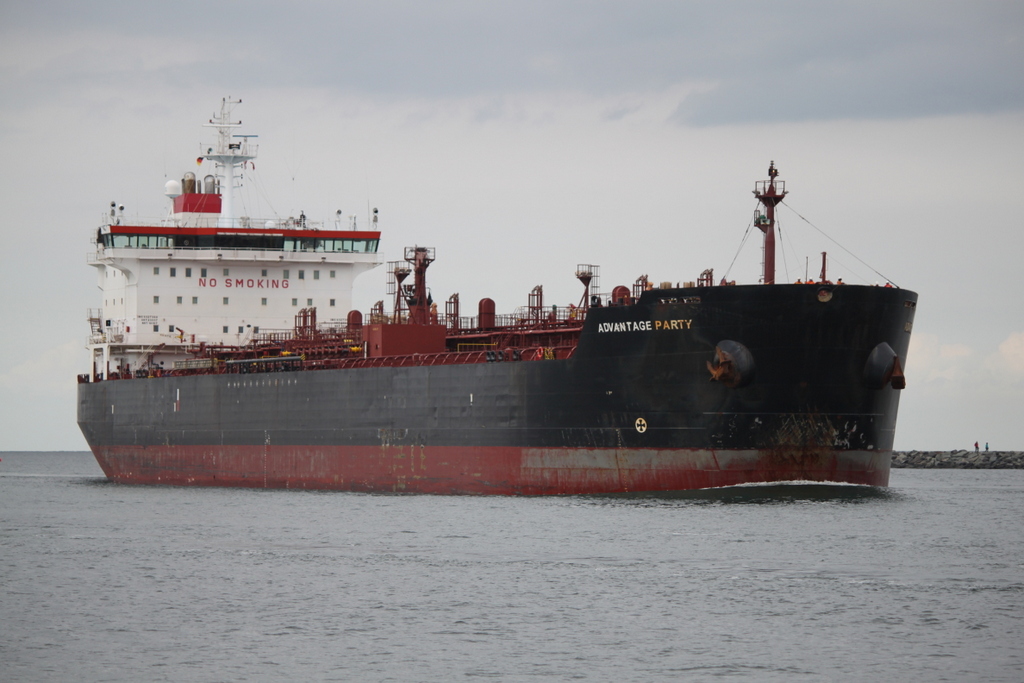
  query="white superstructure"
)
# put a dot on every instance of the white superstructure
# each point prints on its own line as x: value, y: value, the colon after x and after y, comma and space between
x: 205, y: 276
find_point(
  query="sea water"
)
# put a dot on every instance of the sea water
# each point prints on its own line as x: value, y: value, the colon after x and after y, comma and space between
x: 923, y: 581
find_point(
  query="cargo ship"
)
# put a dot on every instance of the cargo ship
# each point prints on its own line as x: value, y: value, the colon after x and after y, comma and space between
x: 227, y: 353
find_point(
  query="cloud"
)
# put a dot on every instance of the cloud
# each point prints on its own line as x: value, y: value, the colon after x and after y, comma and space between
x: 956, y: 393
x: 1007, y: 364
x: 49, y: 373
x: 956, y: 367
x: 869, y: 61
x: 787, y: 61
x: 933, y: 362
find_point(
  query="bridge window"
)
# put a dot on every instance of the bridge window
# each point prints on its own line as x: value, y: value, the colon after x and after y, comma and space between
x: 247, y: 242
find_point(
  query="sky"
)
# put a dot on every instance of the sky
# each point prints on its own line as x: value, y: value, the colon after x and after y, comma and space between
x: 520, y: 139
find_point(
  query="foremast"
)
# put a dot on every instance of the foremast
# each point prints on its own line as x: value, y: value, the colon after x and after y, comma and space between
x: 769, y: 192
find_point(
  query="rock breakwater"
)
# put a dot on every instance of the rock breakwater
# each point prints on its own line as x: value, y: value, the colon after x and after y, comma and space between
x: 960, y: 460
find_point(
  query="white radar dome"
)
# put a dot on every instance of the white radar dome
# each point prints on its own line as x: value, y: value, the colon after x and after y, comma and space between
x: 172, y: 188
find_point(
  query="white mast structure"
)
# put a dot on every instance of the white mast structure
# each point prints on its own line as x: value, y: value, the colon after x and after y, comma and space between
x: 228, y: 156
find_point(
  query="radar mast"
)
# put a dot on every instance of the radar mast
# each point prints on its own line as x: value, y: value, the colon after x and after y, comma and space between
x: 229, y: 157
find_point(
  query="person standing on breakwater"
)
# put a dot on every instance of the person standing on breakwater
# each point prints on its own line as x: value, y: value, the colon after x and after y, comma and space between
x: 986, y: 446
x: 975, y: 446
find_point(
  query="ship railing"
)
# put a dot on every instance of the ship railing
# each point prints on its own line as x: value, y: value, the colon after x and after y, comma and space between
x: 300, y: 361
x: 359, y: 246
x: 224, y: 250
x: 524, y: 327
x: 247, y: 336
x: 265, y: 335
x: 525, y: 318
x: 194, y: 364
x: 762, y: 187
x: 466, y: 357
x: 326, y: 334
x: 212, y: 221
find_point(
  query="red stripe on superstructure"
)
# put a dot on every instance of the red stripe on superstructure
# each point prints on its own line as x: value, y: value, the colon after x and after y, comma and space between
x: 479, y: 470
x: 284, y: 232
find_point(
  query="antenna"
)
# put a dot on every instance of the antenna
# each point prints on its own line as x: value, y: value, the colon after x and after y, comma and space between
x: 228, y: 156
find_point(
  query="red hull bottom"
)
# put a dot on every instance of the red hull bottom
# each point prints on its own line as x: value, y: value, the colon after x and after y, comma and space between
x: 492, y: 470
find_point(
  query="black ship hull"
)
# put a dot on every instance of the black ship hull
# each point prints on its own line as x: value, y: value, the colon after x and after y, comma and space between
x: 686, y: 388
